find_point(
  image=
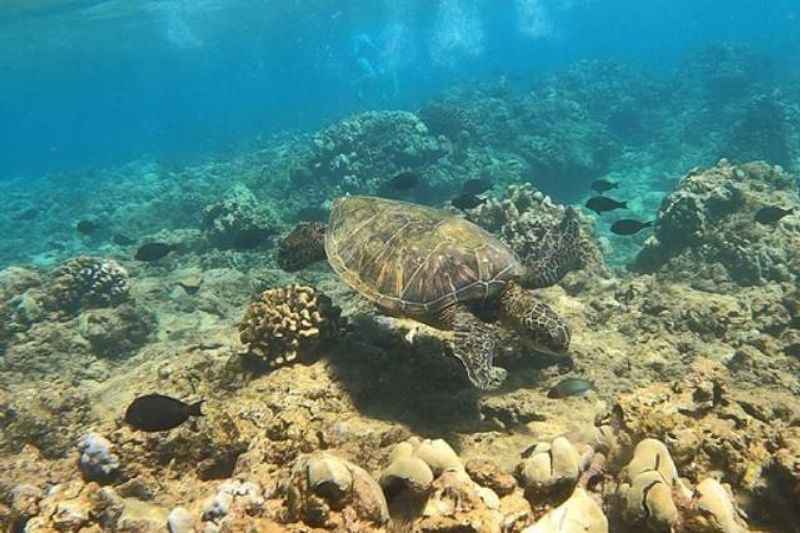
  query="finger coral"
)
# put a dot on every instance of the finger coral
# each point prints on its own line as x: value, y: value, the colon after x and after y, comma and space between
x: 288, y: 322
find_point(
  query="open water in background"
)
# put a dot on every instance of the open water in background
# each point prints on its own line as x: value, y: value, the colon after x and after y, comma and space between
x: 87, y: 82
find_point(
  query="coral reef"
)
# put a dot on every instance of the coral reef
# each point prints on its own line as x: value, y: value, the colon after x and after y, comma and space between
x: 239, y: 221
x: 288, y: 323
x: 523, y: 217
x: 328, y: 492
x: 693, y: 353
x: 86, y: 282
x: 707, y: 230
x: 360, y: 153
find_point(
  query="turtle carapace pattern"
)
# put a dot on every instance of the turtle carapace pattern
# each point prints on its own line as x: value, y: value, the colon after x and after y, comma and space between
x: 430, y: 265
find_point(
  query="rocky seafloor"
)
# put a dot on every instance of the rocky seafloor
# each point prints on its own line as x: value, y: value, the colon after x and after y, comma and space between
x: 363, y: 425
x: 322, y: 415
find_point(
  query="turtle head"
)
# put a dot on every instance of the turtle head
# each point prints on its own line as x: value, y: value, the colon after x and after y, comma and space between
x: 545, y: 330
x: 540, y: 327
x: 558, y: 252
x: 302, y: 247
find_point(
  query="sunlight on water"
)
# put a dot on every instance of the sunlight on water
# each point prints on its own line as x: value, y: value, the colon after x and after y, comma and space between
x: 177, y: 29
x: 458, y: 32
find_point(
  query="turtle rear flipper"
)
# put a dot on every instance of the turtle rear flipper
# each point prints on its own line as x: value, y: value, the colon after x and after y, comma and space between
x: 558, y: 252
x: 475, y: 347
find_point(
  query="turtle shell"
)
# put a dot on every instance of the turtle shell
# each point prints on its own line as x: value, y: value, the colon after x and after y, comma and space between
x: 414, y: 260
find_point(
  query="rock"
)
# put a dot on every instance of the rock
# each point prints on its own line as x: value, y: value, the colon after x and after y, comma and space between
x: 25, y: 500
x: 706, y: 230
x: 714, y: 510
x: 117, y: 332
x: 579, y: 514
x: 457, y: 503
x: 488, y: 474
x: 70, y: 516
x: 97, y: 462
x: 190, y: 280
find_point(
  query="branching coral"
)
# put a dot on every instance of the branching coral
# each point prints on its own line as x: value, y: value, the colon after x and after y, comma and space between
x: 287, y: 323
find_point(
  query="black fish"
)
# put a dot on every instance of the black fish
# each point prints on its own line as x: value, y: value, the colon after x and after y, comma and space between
x: 87, y: 227
x: 602, y: 186
x: 467, y: 201
x: 601, y: 204
x: 771, y: 214
x: 122, y: 240
x: 628, y: 226
x: 312, y: 214
x: 476, y: 186
x: 153, y: 251
x: 404, y: 181
x: 156, y: 412
x: 570, y: 387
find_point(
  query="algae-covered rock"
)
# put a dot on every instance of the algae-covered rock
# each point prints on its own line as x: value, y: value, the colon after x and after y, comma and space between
x: 361, y: 153
x: 117, y: 332
x: 579, y: 514
x: 707, y: 228
x: 239, y: 221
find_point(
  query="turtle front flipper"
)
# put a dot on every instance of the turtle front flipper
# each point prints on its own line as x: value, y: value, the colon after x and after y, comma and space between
x: 538, y: 324
x: 475, y: 346
x: 303, y: 246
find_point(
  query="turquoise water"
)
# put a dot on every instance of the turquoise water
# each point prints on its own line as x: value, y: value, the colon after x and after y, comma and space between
x: 87, y: 83
x: 581, y: 270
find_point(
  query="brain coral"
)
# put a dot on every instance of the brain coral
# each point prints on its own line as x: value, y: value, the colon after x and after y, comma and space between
x: 288, y: 322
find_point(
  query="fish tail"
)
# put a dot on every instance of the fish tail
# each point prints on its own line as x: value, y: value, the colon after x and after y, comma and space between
x: 649, y: 224
x: 624, y: 204
x: 195, y: 408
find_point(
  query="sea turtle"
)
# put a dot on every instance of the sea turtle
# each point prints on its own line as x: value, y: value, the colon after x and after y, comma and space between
x: 431, y: 265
